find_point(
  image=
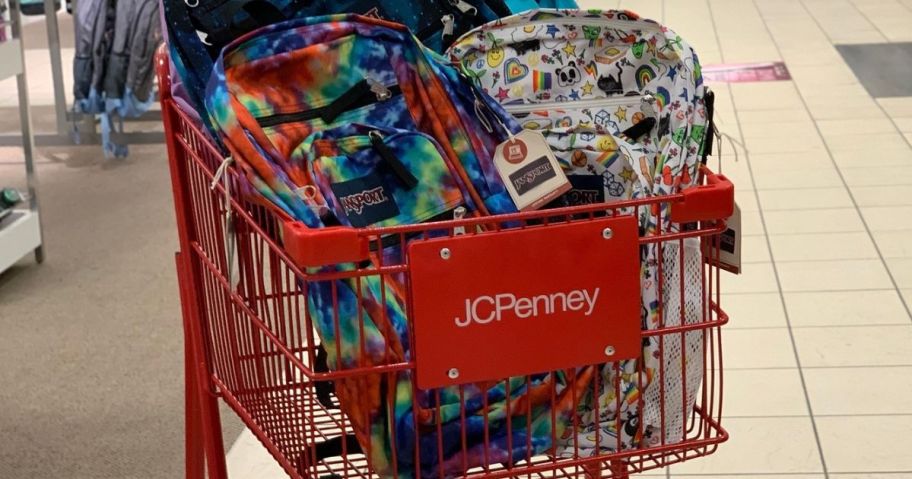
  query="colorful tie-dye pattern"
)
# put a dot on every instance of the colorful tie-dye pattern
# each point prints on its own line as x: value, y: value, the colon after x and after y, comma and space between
x: 582, y: 77
x: 435, y: 129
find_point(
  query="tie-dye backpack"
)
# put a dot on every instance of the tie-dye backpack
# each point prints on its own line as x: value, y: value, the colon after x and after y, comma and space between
x: 620, y: 100
x: 198, y: 29
x: 349, y: 120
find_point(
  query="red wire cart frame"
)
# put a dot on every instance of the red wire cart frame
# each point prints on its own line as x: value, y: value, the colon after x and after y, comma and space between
x: 250, y: 341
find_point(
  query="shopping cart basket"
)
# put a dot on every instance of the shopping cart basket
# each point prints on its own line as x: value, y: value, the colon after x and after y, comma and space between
x: 250, y: 340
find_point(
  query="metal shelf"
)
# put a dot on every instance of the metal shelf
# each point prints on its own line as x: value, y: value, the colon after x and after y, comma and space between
x: 10, y: 58
x: 20, y: 232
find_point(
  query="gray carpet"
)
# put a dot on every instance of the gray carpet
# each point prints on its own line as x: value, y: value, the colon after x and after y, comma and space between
x: 91, y: 373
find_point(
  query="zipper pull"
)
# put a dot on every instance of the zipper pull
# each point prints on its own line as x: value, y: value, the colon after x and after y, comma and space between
x: 379, y: 89
x: 405, y: 176
x: 458, y: 214
x: 649, y: 101
x: 449, y: 23
x: 464, y: 7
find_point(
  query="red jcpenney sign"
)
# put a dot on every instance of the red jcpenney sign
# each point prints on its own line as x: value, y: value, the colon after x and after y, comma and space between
x: 494, y: 305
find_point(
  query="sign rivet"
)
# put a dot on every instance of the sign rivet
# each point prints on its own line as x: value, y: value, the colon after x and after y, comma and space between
x: 607, y: 233
x: 609, y: 351
x: 453, y: 373
x: 445, y: 253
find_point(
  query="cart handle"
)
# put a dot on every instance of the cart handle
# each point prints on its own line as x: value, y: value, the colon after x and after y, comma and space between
x: 714, y: 200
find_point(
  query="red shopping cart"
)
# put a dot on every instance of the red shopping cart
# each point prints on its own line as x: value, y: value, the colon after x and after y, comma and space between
x: 474, y: 286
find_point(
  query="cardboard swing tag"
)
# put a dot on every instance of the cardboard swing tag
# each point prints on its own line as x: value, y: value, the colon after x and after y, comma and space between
x: 530, y: 171
x: 730, y: 243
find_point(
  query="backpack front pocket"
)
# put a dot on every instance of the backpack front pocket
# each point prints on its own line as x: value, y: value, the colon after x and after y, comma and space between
x: 384, y: 178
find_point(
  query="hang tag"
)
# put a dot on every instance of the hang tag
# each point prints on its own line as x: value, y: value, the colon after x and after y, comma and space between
x: 530, y: 171
x: 730, y: 244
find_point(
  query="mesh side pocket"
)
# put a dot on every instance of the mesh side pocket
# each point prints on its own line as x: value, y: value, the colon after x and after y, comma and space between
x: 682, y: 361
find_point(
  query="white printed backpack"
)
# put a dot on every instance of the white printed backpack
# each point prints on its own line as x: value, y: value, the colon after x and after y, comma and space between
x: 584, y: 78
x: 620, y: 101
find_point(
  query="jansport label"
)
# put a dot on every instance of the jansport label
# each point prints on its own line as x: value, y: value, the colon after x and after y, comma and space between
x: 365, y: 201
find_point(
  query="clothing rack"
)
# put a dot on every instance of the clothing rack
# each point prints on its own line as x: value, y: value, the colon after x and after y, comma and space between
x: 20, y: 231
x: 66, y: 118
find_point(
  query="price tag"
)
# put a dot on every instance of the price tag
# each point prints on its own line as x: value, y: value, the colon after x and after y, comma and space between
x: 530, y: 171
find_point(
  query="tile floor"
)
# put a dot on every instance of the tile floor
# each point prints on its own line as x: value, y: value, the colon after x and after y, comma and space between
x: 819, y: 348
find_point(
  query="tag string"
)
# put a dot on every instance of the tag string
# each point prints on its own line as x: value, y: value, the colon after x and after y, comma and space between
x: 221, y: 174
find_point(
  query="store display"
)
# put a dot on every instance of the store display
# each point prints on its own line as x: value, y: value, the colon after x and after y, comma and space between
x: 113, y: 68
x: 620, y: 100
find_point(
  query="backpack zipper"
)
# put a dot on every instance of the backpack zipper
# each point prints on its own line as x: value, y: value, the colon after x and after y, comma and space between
x: 641, y: 24
x: 647, y: 100
x: 357, y: 97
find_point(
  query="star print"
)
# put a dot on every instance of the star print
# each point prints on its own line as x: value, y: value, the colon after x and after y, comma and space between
x: 628, y: 174
x: 672, y: 73
x: 502, y: 94
x: 552, y: 30
x: 570, y: 49
x: 587, y: 88
x: 574, y: 95
x: 621, y: 113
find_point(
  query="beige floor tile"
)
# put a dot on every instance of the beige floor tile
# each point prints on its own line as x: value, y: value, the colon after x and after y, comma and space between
x: 744, y: 393
x: 894, y: 244
x: 876, y: 156
x: 888, y: 218
x: 823, y: 246
x: 845, y: 308
x: 813, y: 221
x: 810, y: 198
x: 756, y: 310
x: 757, y: 348
x: 751, y: 223
x: 886, y: 475
x: 741, y: 476
x: 788, y: 163
x: 897, y: 106
x: 896, y: 195
x: 765, y: 96
x: 778, y: 116
x: 877, y: 175
x: 860, y: 142
x: 770, y: 178
x: 761, y: 446
x: 798, y: 128
x: 783, y: 144
x: 754, y: 278
x: 847, y: 391
x: 847, y: 444
x: 746, y: 198
x: 854, y: 346
x: 901, y: 268
x: 904, y: 123
x: 754, y: 249
x: 837, y: 275
x: 834, y: 111
x: 831, y: 128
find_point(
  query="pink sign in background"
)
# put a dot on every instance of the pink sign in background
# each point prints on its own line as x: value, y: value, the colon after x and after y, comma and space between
x: 746, y: 72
